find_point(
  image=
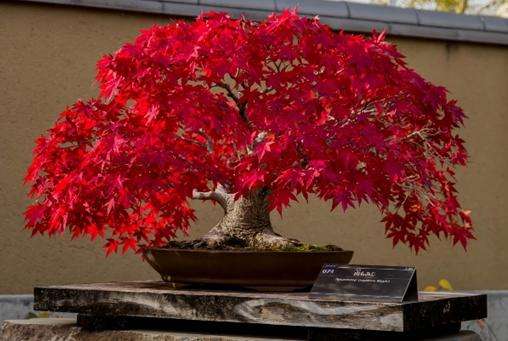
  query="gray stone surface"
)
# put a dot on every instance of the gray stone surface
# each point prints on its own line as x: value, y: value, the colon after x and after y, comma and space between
x: 424, y: 32
x: 312, y: 7
x: 156, y: 299
x: 15, y: 306
x: 495, y: 326
x: 355, y: 24
x: 388, y: 14
x: 149, y: 6
x: 344, y: 15
x: 195, y: 2
x: 495, y: 24
x: 450, y: 20
x: 266, y: 5
x: 182, y: 9
x: 60, y: 329
x: 476, y: 36
x: 67, y: 330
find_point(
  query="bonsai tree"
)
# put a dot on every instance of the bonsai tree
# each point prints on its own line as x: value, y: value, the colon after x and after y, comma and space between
x: 249, y: 115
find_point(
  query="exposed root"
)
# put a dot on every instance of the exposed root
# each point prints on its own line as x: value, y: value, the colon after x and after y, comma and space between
x: 218, y: 241
x: 272, y: 241
x: 245, y: 225
x: 262, y: 241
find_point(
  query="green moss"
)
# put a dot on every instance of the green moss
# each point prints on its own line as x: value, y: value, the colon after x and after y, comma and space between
x: 310, y: 247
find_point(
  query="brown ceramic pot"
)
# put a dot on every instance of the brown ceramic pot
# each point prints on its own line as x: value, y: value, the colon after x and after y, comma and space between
x: 245, y: 268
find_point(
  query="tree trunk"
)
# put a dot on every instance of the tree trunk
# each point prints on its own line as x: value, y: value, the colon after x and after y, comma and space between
x: 246, y: 223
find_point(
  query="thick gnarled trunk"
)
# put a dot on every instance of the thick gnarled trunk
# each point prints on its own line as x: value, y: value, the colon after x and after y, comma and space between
x: 246, y: 222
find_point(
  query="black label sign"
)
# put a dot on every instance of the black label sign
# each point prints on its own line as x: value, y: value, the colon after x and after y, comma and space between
x: 367, y: 283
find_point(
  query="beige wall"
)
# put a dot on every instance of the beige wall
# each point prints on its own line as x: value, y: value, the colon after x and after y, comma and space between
x: 47, y: 60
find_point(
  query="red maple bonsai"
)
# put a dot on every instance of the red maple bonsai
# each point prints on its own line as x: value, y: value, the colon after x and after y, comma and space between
x: 249, y: 115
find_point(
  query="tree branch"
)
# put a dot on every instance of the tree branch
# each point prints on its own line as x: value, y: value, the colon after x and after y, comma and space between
x: 193, y: 142
x: 304, y: 158
x: 241, y: 106
x: 219, y: 196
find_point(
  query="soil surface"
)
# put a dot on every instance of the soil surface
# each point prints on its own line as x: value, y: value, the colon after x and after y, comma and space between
x: 199, y: 244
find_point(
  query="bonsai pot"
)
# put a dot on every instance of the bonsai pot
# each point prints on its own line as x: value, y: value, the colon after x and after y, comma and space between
x: 277, y: 270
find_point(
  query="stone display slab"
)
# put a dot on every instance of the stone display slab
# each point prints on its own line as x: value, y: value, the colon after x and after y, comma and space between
x: 298, y: 309
x: 44, y: 329
x: 65, y: 329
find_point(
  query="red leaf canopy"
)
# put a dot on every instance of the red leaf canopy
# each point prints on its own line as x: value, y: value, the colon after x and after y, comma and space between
x: 286, y: 104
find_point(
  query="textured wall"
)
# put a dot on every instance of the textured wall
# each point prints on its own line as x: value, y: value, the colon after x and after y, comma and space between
x: 47, y: 60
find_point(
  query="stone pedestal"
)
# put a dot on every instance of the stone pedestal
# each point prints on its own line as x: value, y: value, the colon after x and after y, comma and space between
x: 155, y: 306
x: 64, y: 329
